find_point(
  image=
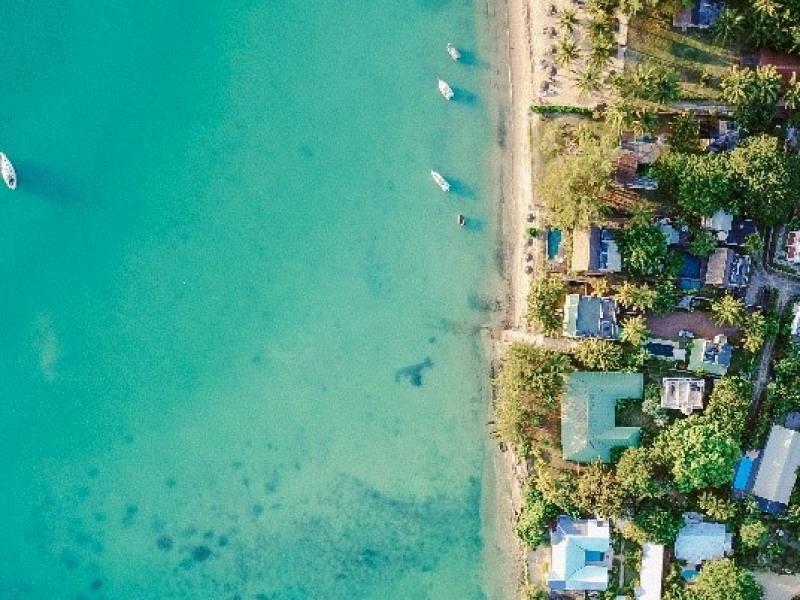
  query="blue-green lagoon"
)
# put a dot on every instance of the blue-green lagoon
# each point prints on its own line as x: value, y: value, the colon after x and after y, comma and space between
x: 239, y: 353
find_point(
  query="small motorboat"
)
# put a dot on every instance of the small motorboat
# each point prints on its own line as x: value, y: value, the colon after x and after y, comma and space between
x: 440, y: 181
x: 453, y: 52
x: 7, y: 170
x: 462, y: 220
x: 446, y: 90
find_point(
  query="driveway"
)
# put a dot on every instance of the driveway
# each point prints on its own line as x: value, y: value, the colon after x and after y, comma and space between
x: 778, y: 587
x: 668, y: 326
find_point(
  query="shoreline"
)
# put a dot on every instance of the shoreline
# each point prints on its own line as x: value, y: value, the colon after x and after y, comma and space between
x: 512, y: 80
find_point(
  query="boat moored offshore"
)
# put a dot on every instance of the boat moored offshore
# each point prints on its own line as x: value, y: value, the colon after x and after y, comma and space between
x: 453, y: 52
x: 446, y: 90
x: 7, y: 170
x: 440, y: 181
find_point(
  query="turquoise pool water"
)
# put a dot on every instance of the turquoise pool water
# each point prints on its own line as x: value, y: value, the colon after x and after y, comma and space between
x: 239, y: 344
x: 553, y: 243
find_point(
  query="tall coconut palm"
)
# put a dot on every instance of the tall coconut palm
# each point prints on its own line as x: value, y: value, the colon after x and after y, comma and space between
x: 619, y: 115
x: 637, y: 297
x: 729, y: 26
x: 568, y: 20
x: 567, y: 51
x: 634, y: 330
x: 588, y: 80
x: 727, y: 310
x: 767, y: 84
x: 631, y: 7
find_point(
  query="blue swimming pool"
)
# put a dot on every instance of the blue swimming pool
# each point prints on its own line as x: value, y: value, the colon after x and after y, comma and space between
x: 743, y: 473
x: 553, y: 243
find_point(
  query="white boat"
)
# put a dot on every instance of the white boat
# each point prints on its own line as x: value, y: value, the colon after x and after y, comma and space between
x: 453, y: 52
x: 440, y: 181
x: 461, y: 219
x: 7, y: 170
x: 446, y: 90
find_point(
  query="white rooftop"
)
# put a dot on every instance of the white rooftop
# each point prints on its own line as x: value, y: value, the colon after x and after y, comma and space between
x: 651, y: 573
x: 699, y: 541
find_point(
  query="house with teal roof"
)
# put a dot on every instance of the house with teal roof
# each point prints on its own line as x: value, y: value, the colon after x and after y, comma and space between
x: 580, y: 556
x: 588, y: 424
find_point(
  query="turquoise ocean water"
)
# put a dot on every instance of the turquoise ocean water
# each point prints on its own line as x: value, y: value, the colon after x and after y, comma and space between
x: 238, y: 355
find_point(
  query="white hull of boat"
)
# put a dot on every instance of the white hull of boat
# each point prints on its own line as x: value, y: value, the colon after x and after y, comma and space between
x: 7, y: 170
x: 446, y: 90
x: 453, y: 52
x: 440, y: 181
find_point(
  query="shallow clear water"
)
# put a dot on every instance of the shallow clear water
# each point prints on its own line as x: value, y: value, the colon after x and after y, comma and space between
x: 238, y: 355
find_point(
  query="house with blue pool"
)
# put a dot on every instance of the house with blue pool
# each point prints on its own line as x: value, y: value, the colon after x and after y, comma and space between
x: 588, y: 423
x: 699, y: 541
x: 581, y: 555
x: 770, y: 475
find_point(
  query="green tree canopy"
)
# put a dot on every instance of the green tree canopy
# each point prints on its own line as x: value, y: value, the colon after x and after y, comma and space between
x: 598, y: 492
x: 699, y: 452
x: 574, y: 184
x: 635, y: 469
x: 719, y: 509
x: 757, y: 328
x: 724, y: 580
x: 636, y: 297
x: 643, y: 248
x: 654, y: 523
x: 537, y: 512
x: 765, y: 185
x: 545, y: 296
x: 599, y: 355
x: 752, y: 534
x: 703, y: 243
x: 529, y: 385
x: 755, y: 93
x: 699, y: 183
x: 684, y: 133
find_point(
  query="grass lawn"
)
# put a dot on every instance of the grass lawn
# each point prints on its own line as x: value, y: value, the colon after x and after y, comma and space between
x: 693, y: 54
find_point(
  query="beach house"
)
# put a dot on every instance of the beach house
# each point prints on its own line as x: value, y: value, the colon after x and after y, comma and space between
x: 590, y: 317
x: 727, y: 268
x: 588, y: 426
x: 770, y: 475
x: 699, y: 541
x: 580, y: 555
x: 682, y: 393
x: 595, y: 252
x: 711, y: 356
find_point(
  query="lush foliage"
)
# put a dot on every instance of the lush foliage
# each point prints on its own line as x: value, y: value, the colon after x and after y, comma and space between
x: 599, y: 355
x: 598, y: 492
x: 545, y: 109
x: 724, y: 580
x: 727, y: 310
x: 654, y: 523
x: 754, y: 92
x: 635, y: 474
x: 557, y: 487
x: 752, y: 534
x: 666, y: 296
x: 699, y: 183
x: 699, y: 452
x: 634, y: 330
x: 772, y: 23
x: 636, y: 297
x: 729, y: 404
x: 651, y: 81
x: 716, y: 508
x: 703, y: 243
x: 544, y: 297
x: 757, y: 329
x: 684, y: 133
x: 651, y: 405
x: 574, y: 184
x: 765, y: 178
x: 528, y: 387
x: 784, y: 391
x: 643, y: 248
x: 537, y: 512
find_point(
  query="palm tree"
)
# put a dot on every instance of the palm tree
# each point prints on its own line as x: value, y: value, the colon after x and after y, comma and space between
x: 767, y: 84
x: 631, y: 7
x: 567, y: 51
x: 634, y: 330
x: 619, y: 115
x: 727, y: 310
x: 729, y: 26
x: 588, y: 80
x: 568, y: 19
x: 644, y: 122
x: 637, y: 297
x: 599, y: 355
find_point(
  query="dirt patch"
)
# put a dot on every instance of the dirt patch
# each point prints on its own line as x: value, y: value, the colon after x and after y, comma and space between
x: 779, y: 587
x: 668, y: 326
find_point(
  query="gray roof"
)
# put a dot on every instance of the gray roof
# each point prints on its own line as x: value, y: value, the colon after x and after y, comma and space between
x: 727, y: 269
